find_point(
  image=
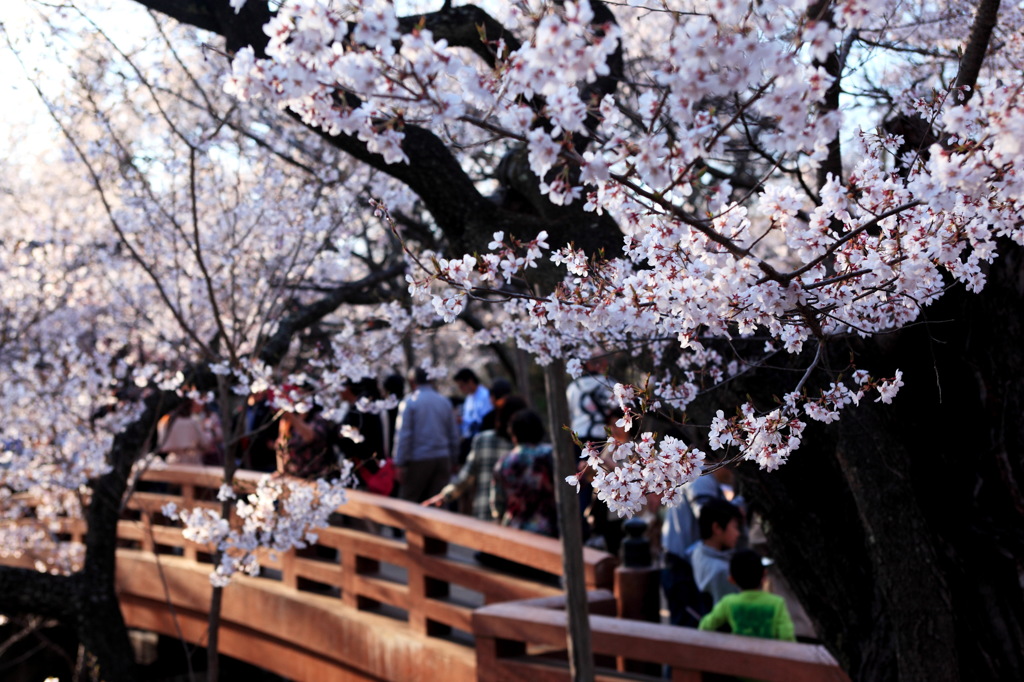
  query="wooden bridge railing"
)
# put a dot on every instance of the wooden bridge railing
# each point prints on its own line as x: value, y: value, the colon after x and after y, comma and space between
x: 386, y: 556
x: 416, y: 568
x: 514, y: 641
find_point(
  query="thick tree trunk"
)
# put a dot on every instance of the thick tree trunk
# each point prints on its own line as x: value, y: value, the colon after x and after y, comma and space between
x: 96, y: 610
x: 902, y: 530
x: 101, y: 628
x: 87, y: 600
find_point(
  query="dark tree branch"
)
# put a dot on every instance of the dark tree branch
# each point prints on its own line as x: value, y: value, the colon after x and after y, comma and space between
x: 196, y: 13
x: 833, y: 164
x: 593, y: 93
x: 217, y: 16
x: 505, y: 356
x: 303, y: 317
x: 464, y: 215
x: 415, y: 229
x: 977, y: 45
x: 465, y: 26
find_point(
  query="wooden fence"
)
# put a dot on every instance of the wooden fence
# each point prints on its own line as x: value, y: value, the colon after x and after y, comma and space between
x: 396, y: 591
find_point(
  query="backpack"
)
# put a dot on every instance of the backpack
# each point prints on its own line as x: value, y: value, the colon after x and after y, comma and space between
x: 595, y: 404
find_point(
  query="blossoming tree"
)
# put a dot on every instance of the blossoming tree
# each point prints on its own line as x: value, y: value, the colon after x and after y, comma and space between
x: 784, y: 210
x: 156, y: 261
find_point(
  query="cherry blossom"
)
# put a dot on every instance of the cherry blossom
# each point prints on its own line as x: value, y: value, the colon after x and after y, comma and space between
x: 711, y: 155
x: 280, y: 514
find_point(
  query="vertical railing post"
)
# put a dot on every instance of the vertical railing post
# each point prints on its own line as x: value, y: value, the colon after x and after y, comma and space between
x: 289, y: 570
x: 421, y: 586
x: 415, y: 551
x: 188, y: 501
x: 147, y: 544
x: 349, y: 571
x: 637, y: 588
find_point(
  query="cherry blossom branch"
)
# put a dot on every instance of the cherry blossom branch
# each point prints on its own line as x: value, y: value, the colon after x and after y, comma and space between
x: 275, y: 347
x: 835, y: 280
x: 810, y: 368
x: 853, y: 234
x: 465, y: 26
x: 701, y: 226
x: 197, y: 250
x: 97, y: 184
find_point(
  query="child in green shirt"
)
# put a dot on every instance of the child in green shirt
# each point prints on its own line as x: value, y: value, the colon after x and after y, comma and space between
x: 752, y: 612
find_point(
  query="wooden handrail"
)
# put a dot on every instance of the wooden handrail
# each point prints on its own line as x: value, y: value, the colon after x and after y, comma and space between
x: 540, y: 552
x: 505, y: 632
x: 426, y: 575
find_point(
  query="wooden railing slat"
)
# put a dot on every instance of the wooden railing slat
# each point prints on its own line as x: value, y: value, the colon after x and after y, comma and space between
x: 383, y: 591
x: 454, y: 615
x: 324, y: 572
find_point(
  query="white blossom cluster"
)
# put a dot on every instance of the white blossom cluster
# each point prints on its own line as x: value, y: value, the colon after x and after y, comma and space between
x: 641, y: 467
x: 280, y: 515
x: 41, y: 543
x: 646, y: 465
x: 853, y: 265
x: 862, y: 256
x: 166, y: 238
x: 53, y: 443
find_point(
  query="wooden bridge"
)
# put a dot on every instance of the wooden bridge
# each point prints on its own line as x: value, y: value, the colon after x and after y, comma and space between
x: 395, y: 592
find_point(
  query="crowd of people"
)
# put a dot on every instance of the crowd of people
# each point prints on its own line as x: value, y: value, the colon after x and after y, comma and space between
x: 483, y: 452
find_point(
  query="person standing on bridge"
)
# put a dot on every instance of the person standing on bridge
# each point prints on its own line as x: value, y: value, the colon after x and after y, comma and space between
x: 427, y: 441
x: 476, y: 473
x: 523, y: 492
x: 184, y: 436
x: 474, y: 408
x: 303, y: 445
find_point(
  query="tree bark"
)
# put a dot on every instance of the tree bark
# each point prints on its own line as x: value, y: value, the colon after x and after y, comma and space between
x: 87, y: 600
x: 93, y: 597
x: 985, y: 20
x: 902, y: 530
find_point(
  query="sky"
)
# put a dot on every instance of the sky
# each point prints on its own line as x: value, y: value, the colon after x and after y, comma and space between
x: 24, y: 120
x: 23, y: 117
x: 20, y: 105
